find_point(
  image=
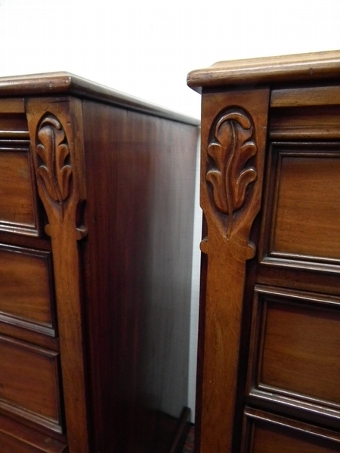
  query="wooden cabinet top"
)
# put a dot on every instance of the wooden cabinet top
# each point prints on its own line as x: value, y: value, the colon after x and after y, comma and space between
x: 300, y: 67
x: 64, y: 83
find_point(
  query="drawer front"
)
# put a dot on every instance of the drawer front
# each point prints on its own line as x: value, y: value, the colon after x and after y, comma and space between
x: 9, y: 444
x: 268, y: 433
x: 13, y: 122
x: 18, y: 209
x: 26, y: 296
x: 302, y: 203
x: 29, y: 383
x: 295, y: 345
x: 16, y: 438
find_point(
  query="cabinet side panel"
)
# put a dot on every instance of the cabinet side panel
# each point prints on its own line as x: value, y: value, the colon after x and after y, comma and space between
x: 140, y: 174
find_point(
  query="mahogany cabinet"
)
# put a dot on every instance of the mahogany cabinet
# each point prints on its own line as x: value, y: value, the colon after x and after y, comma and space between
x: 96, y: 219
x: 269, y: 334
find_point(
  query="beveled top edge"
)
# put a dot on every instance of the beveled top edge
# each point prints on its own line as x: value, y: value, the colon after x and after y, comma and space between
x: 64, y: 83
x: 307, y: 66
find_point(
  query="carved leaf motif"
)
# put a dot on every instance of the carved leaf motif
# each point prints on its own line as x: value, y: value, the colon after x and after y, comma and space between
x: 215, y: 178
x: 44, y: 173
x: 216, y: 151
x: 52, y: 165
x: 65, y: 172
x: 230, y: 149
x: 245, y: 178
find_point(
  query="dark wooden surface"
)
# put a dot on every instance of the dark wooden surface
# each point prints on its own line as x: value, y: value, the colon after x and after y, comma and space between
x: 145, y: 234
x: 96, y: 221
x: 269, y: 332
x: 64, y: 83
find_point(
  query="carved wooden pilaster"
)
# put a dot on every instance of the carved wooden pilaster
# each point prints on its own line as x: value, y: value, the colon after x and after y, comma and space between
x: 233, y: 145
x: 57, y: 153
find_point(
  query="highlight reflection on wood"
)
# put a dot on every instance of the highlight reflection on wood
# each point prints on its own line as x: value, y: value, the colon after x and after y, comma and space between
x: 96, y: 223
x: 269, y: 337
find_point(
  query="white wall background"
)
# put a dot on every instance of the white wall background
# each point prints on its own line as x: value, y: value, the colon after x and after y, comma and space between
x: 146, y: 47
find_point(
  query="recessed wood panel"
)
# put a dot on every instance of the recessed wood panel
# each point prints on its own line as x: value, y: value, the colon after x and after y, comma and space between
x: 266, y: 433
x: 26, y: 299
x: 320, y: 123
x: 17, y: 438
x: 13, y: 122
x: 17, y: 199
x: 303, y: 204
x: 13, y: 125
x: 12, y: 106
x: 29, y: 386
x: 297, y: 337
x: 308, y: 206
x: 279, y: 440
x: 10, y: 444
x: 302, y: 97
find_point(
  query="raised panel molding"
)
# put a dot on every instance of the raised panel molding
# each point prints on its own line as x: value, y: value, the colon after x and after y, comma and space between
x: 29, y: 383
x: 18, y: 207
x: 302, y: 206
x: 286, y: 353
x: 264, y: 431
x: 19, y: 438
x: 32, y: 308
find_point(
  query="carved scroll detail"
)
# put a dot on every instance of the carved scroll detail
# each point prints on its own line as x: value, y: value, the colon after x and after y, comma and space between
x: 230, y: 147
x: 53, y: 162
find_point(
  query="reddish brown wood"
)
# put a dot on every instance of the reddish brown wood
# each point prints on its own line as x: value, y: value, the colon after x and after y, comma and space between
x: 17, y: 205
x: 21, y: 439
x: 57, y: 150
x: 63, y: 83
x: 96, y: 227
x: 266, y: 432
x: 29, y: 269
x: 19, y: 362
x: 290, y: 376
x: 233, y: 141
x: 286, y: 68
x: 145, y: 264
x: 278, y: 372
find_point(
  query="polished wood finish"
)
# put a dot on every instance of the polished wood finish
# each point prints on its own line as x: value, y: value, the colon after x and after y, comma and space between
x: 269, y: 330
x: 17, y: 205
x: 18, y: 438
x: 154, y: 291
x: 96, y: 224
x: 29, y: 269
x: 300, y: 175
x: 255, y: 71
x: 57, y: 154
x: 279, y: 318
x: 237, y: 136
x: 20, y: 362
x: 265, y: 432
